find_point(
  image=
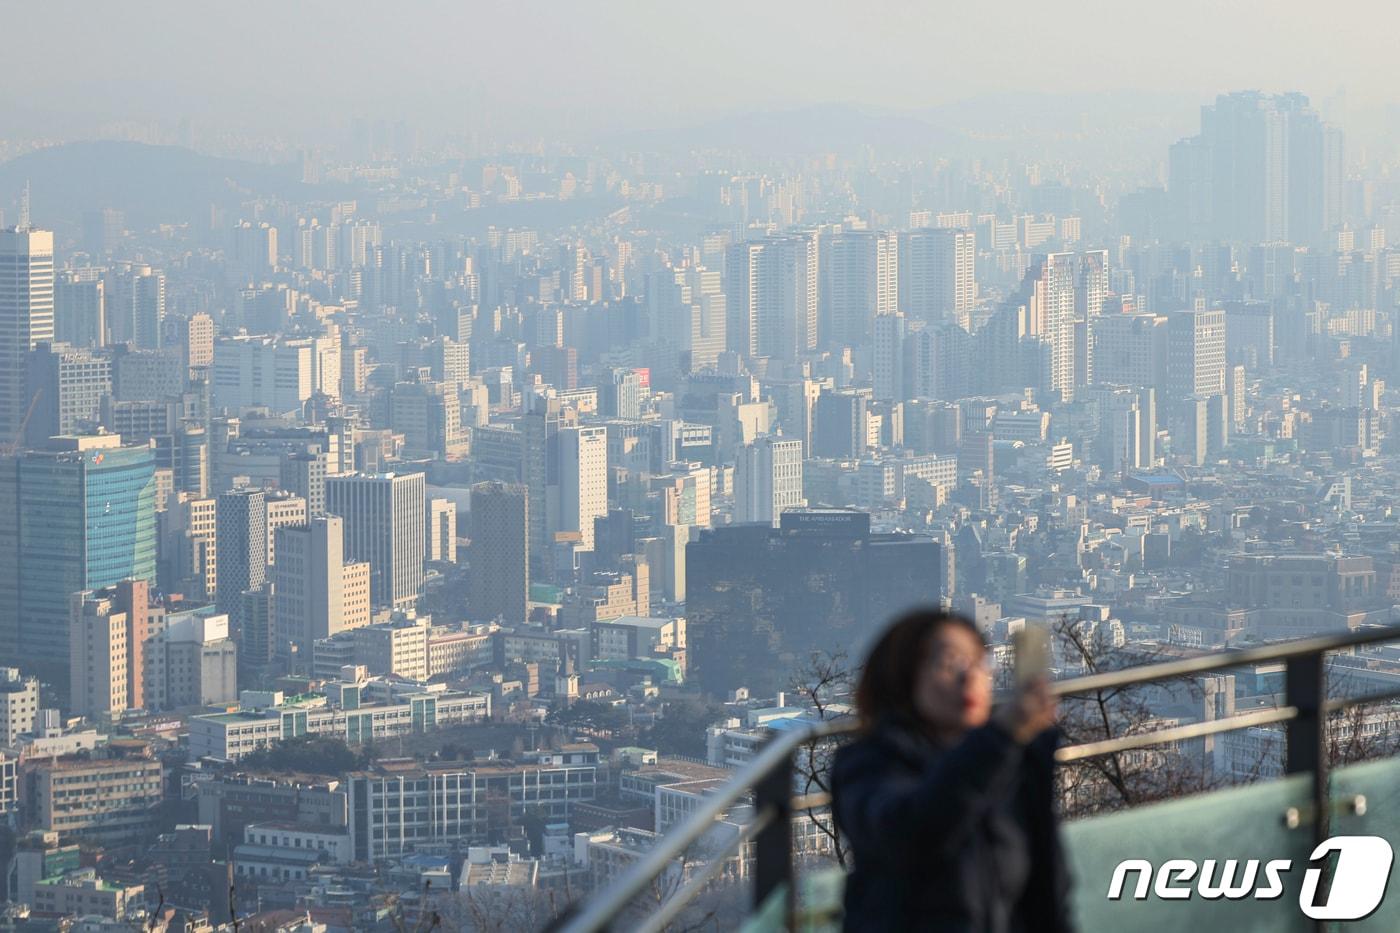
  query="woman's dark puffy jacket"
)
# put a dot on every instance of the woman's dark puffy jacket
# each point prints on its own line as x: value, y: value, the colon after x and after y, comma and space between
x: 959, y: 838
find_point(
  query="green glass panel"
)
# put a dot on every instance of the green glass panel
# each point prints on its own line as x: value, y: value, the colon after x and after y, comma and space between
x: 772, y: 916
x: 1239, y: 823
x: 1378, y: 782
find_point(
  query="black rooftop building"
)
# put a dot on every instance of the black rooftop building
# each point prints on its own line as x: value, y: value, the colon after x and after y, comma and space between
x: 759, y: 599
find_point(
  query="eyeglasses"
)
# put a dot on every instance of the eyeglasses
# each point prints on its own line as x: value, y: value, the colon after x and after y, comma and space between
x: 954, y: 666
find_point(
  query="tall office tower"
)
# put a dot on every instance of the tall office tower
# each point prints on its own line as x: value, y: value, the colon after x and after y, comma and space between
x: 384, y: 524
x: 890, y: 356
x: 1262, y: 168
x: 767, y: 480
x: 66, y: 385
x: 80, y: 308
x: 305, y: 474
x: 500, y: 553
x: 107, y: 646
x: 257, y: 640
x: 937, y: 273
x: 185, y: 452
x: 840, y: 429
x: 1130, y: 349
x: 313, y: 589
x: 429, y: 414
x: 442, y: 531
x: 19, y: 705
x: 771, y: 295
x: 255, y: 371
x: 582, y: 494
x: 136, y: 306
x: 83, y: 516
x: 859, y: 281
x: 241, y: 537
x: 190, y: 531
x: 1196, y: 352
x: 540, y: 471
x: 26, y: 316
x: 284, y: 509
x: 193, y: 337
x: 254, y: 251
x: 620, y: 394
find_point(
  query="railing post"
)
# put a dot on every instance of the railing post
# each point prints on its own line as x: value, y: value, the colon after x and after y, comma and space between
x: 1305, y: 690
x: 773, y: 844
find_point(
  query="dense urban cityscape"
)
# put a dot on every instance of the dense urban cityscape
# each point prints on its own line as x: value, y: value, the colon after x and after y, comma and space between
x: 408, y: 530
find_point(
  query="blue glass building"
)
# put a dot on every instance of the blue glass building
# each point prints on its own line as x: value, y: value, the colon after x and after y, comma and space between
x: 85, y: 518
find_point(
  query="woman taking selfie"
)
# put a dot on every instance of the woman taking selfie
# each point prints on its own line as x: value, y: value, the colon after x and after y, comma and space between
x: 947, y: 806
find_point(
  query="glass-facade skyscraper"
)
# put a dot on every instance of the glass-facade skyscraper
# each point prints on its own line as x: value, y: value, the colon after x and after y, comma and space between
x: 86, y: 519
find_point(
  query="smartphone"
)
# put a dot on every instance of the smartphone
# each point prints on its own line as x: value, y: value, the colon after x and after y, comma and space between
x: 1032, y: 645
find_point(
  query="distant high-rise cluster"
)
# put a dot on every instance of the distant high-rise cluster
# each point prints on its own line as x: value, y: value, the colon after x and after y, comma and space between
x: 403, y: 521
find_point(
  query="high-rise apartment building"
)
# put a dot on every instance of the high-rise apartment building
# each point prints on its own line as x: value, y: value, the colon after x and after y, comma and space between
x: 937, y: 273
x: 1263, y: 168
x: 859, y: 281
x: 135, y: 306
x: 771, y: 291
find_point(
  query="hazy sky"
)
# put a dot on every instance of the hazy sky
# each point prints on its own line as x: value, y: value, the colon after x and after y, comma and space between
x: 556, y: 68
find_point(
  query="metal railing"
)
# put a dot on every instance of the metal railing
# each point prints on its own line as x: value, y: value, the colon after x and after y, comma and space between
x: 768, y: 777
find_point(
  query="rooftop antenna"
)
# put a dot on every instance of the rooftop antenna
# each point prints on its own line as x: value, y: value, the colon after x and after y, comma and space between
x: 24, y: 208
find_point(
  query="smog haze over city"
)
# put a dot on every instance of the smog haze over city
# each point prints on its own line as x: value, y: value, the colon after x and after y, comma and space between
x: 479, y: 465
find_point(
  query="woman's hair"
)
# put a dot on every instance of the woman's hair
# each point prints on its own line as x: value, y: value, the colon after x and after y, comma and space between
x: 892, y: 667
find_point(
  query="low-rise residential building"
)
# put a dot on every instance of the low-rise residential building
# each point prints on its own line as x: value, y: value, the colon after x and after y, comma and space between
x: 19, y: 704
x: 83, y: 893
x: 355, y: 715
x: 106, y: 801
x: 400, y: 806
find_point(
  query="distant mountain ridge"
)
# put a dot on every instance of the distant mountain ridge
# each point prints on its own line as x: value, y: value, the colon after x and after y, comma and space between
x: 151, y: 184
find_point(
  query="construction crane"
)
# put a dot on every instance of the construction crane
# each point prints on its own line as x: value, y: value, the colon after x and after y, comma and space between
x: 8, y: 450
